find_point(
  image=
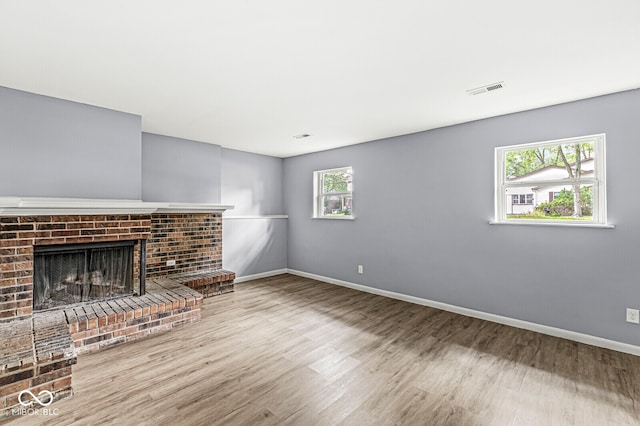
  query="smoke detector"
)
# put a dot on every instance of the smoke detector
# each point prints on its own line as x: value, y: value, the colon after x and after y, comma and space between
x: 487, y: 88
x: 301, y: 136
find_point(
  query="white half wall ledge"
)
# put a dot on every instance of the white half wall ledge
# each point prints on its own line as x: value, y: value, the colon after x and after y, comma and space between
x: 36, y: 206
x: 263, y: 216
x: 525, y: 325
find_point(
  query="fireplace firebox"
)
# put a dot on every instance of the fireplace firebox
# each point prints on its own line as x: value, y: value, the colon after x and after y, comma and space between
x: 75, y: 273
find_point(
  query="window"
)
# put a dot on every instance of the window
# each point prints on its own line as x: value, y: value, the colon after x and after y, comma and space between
x: 333, y: 193
x: 561, y: 181
x: 522, y: 199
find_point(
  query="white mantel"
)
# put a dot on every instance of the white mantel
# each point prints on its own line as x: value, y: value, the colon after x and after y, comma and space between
x: 35, y: 206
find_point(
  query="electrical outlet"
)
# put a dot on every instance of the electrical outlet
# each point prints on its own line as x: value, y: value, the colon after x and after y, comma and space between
x: 360, y: 269
x: 633, y: 316
x: 171, y: 263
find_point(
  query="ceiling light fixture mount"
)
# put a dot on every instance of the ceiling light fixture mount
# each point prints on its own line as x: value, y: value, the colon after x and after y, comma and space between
x: 487, y: 88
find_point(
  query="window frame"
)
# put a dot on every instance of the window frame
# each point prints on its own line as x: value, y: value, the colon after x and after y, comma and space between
x: 597, y: 180
x: 318, y: 194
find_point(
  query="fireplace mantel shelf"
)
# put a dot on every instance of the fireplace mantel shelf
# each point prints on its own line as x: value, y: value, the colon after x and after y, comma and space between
x: 34, y: 206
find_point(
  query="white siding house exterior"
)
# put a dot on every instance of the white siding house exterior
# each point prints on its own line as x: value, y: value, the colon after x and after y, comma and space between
x: 524, y: 199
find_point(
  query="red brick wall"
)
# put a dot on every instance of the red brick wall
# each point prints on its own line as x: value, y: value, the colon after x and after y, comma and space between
x: 193, y: 240
x: 18, y: 235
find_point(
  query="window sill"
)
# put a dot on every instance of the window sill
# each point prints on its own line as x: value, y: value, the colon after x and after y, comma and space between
x: 334, y: 217
x: 564, y: 225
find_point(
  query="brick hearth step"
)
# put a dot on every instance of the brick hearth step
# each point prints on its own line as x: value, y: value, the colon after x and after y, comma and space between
x: 98, y: 325
x: 45, y: 335
x: 209, y: 283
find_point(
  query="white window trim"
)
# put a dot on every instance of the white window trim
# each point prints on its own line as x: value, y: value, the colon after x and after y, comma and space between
x: 599, y: 183
x: 317, y: 193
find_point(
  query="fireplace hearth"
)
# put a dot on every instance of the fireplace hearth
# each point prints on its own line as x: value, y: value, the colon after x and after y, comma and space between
x: 74, y: 273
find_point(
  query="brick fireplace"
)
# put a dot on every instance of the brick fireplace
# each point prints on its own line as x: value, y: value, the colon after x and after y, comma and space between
x: 177, y: 258
x: 19, y: 235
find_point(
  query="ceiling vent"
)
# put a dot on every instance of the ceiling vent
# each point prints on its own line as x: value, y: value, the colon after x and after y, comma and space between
x: 484, y: 89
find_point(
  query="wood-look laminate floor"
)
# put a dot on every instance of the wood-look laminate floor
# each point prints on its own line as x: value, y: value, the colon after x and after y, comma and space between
x: 289, y: 350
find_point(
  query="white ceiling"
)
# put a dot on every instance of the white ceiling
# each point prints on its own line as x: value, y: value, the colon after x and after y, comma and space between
x: 251, y: 74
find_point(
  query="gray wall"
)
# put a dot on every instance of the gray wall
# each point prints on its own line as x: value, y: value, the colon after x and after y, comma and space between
x: 180, y: 170
x: 56, y: 148
x: 423, y: 202
x: 253, y: 184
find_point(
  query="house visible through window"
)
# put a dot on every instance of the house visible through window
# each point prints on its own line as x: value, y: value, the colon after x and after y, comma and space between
x: 560, y: 181
x: 333, y: 196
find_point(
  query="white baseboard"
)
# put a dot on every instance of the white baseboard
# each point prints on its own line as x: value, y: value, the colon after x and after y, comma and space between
x: 539, y: 328
x: 260, y: 275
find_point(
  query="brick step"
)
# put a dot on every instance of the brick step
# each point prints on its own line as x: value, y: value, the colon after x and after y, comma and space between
x: 209, y: 283
x: 37, y: 354
x: 103, y: 324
